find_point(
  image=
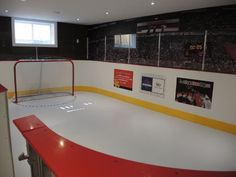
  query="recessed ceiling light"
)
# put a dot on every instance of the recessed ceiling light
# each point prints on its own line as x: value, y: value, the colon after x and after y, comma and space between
x: 6, y: 11
x: 23, y: 0
x: 153, y: 3
x: 77, y: 19
x: 107, y: 13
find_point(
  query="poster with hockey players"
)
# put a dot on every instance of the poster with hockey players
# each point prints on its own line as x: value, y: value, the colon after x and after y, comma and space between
x: 194, y: 92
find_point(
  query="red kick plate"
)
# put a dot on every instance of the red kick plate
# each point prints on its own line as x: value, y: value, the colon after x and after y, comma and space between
x: 2, y: 89
x: 28, y: 123
x: 67, y: 159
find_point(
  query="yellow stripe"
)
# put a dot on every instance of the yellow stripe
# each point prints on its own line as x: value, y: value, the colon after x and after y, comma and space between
x: 31, y: 92
x: 209, y: 122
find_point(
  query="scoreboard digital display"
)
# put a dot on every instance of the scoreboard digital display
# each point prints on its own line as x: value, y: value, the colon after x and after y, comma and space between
x: 193, y: 49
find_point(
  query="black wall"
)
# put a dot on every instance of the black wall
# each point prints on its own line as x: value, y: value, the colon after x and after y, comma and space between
x: 67, y: 46
x: 213, y: 19
x: 220, y: 22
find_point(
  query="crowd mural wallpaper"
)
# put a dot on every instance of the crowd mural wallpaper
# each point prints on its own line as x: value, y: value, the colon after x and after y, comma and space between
x: 202, y: 39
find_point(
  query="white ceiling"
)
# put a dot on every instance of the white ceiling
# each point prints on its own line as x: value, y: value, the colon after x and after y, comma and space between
x: 93, y: 11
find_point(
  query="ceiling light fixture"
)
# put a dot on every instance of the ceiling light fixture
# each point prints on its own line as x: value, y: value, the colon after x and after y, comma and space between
x: 6, y: 11
x: 77, y: 19
x: 153, y: 3
x: 107, y: 13
x: 23, y: 0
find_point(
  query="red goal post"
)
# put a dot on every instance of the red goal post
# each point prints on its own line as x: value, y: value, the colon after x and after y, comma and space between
x: 42, y: 61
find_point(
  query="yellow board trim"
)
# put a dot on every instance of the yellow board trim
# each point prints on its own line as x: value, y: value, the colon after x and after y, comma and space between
x: 31, y: 92
x: 209, y: 122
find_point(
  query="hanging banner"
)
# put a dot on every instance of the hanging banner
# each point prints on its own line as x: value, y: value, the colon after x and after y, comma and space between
x: 153, y: 84
x: 157, y: 26
x: 194, y: 92
x: 123, y: 79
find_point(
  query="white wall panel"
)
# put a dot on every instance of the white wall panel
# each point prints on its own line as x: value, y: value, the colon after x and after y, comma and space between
x: 100, y: 74
x: 223, y: 104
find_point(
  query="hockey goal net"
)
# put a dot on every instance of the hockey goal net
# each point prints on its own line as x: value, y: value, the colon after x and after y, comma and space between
x: 43, y: 78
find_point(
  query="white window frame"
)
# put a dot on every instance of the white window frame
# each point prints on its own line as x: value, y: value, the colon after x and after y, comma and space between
x: 132, y: 41
x: 33, y: 44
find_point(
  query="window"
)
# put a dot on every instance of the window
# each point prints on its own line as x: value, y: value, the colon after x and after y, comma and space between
x: 125, y: 41
x: 34, y: 33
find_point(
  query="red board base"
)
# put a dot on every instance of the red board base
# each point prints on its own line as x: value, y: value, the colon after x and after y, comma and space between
x: 67, y: 159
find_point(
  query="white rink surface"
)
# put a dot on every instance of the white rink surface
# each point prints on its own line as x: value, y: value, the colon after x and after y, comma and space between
x: 124, y: 130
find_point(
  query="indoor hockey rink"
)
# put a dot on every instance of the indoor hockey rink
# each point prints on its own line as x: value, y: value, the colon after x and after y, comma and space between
x: 114, y: 124
x: 117, y: 88
x: 127, y: 131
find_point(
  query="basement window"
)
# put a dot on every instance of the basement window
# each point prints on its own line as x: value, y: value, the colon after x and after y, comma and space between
x: 34, y: 33
x: 125, y: 41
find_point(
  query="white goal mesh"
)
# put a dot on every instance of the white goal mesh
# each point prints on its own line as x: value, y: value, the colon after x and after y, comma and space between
x: 39, y: 79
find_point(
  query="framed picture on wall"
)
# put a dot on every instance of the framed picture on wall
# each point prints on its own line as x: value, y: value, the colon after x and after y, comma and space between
x: 153, y: 84
x: 123, y: 79
x: 194, y: 92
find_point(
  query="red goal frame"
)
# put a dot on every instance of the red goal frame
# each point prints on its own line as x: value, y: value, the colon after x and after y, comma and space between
x: 43, y: 61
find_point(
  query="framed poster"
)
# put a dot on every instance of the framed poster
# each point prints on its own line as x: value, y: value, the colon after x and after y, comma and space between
x: 194, y: 92
x: 123, y: 79
x: 153, y: 84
